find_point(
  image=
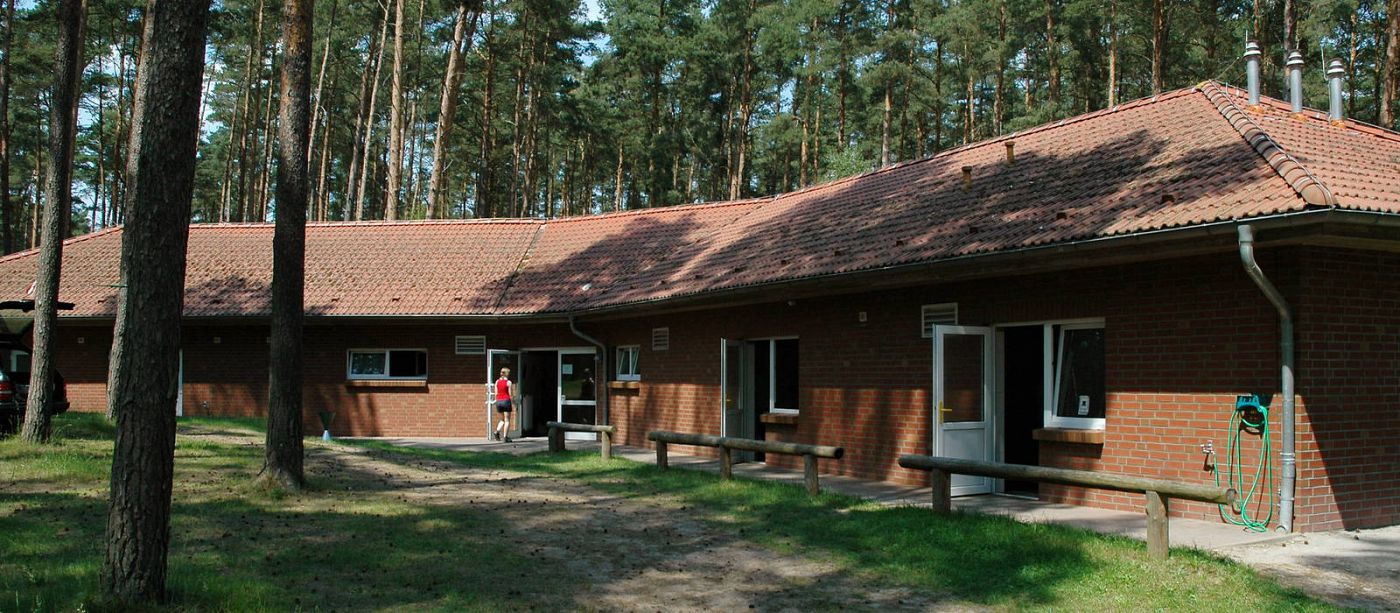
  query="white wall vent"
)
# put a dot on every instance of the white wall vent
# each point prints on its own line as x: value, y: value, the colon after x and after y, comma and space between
x: 471, y: 345
x: 945, y: 314
x: 660, y: 339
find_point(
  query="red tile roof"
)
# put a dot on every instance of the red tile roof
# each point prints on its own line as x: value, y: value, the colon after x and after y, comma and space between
x: 1181, y: 159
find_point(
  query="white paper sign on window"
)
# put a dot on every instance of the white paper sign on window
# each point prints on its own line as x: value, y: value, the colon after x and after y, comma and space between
x: 1083, y: 405
x: 568, y: 369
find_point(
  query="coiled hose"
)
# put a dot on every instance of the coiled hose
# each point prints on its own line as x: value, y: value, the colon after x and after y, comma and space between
x: 1250, y: 418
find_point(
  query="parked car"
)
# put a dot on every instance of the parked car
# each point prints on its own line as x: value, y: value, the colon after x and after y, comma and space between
x: 14, y: 371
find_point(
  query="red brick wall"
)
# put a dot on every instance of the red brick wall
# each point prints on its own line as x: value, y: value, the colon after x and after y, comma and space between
x: 225, y: 373
x: 1183, y: 338
x: 1348, y: 320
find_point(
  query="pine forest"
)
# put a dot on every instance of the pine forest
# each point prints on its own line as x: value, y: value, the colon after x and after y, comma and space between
x: 451, y: 109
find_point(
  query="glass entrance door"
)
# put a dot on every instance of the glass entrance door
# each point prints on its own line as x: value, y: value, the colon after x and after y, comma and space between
x: 736, y: 393
x: 962, y: 400
x: 578, y: 390
x: 498, y: 359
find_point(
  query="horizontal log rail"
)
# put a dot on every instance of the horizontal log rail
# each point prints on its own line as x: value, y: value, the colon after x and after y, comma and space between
x: 726, y: 444
x: 558, y: 428
x: 1158, y: 491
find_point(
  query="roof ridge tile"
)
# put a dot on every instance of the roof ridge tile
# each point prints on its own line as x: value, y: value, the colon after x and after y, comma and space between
x: 1303, y: 181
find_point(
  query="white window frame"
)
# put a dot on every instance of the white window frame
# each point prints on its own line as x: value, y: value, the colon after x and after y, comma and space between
x: 350, y: 353
x: 635, y: 374
x: 773, y: 374
x: 1053, y: 348
x: 927, y: 331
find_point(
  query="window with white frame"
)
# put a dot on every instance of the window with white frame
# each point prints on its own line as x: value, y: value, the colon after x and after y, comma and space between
x: 387, y: 364
x: 627, y: 363
x: 1079, y: 396
x: 775, y: 362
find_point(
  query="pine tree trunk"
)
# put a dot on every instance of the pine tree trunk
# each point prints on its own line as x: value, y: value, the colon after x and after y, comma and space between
x: 7, y: 230
x: 63, y: 125
x: 352, y: 194
x: 316, y: 117
x: 485, y: 204
x: 283, y: 457
x: 1112, y: 53
x: 468, y: 13
x: 369, y: 122
x: 1159, y: 45
x: 252, y: 75
x: 153, y: 254
x: 1052, y: 57
x: 1392, y: 66
x: 391, y: 201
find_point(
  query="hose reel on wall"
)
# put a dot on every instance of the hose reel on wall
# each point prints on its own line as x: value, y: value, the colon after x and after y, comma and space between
x: 1250, y: 418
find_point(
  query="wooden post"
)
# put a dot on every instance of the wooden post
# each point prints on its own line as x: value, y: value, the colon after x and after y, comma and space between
x: 942, y: 484
x: 809, y: 474
x: 726, y: 471
x: 1157, y: 537
x: 661, y: 455
x: 556, y: 439
x: 607, y: 445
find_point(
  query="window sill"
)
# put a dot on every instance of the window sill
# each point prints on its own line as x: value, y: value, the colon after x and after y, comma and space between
x: 625, y: 385
x: 386, y: 383
x: 1069, y: 435
x: 779, y: 419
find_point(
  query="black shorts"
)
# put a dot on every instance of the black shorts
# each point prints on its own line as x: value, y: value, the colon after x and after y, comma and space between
x: 503, y: 406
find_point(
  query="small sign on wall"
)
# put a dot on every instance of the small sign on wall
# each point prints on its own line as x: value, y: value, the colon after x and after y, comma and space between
x: 1083, y: 405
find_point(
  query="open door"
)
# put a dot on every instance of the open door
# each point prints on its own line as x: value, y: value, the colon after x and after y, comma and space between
x: 499, y: 359
x: 962, y: 400
x: 737, y: 409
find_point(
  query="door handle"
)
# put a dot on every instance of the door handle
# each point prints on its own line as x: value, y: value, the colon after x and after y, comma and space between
x: 941, y: 410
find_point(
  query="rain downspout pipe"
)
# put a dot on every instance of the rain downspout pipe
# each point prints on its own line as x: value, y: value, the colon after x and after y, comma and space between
x: 600, y: 386
x: 1287, y: 457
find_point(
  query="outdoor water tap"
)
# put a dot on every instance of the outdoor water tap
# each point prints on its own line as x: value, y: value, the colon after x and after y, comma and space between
x: 1209, y: 450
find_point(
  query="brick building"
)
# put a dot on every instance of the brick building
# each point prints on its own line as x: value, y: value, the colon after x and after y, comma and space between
x: 1072, y: 295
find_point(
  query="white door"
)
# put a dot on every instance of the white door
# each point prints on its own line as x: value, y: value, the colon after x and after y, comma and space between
x: 578, y: 390
x: 736, y: 410
x: 500, y: 358
x: 962, y: 400
x: 180, y: 387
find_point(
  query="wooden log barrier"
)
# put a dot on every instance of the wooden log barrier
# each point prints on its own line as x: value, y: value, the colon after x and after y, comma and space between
x: 1158, y: 491
x: 558, y: 428
x: 727, y: 444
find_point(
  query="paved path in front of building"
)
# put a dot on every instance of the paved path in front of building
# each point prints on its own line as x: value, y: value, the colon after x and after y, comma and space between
x: 1351, y: 568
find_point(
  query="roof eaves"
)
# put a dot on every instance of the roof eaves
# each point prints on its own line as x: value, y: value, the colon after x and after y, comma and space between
x: 1304, y: 182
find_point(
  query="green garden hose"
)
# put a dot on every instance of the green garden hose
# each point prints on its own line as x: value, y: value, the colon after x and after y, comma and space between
x: 1249, y: 417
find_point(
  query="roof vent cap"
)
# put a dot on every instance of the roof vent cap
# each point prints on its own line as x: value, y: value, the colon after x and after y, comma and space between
x: 1335, y: 73
x: 1295, y: 80
x: 1251, y: 71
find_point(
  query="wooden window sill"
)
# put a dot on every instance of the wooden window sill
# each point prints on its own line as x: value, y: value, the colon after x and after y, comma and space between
x: 779, y: 419
x: 386, y: 383
x: 1069, y: 435
x: 625, y: 385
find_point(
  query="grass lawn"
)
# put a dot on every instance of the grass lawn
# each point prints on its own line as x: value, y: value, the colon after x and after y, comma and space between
x: 352, y: 542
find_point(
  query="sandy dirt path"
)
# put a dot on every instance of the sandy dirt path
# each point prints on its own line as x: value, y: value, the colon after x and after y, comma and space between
x: 612, y: 553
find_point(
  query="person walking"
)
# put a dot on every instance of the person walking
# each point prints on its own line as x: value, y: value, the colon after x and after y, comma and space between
x: 505, y: 393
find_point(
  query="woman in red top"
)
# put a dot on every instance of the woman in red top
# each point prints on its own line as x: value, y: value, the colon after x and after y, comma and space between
x: 505, y: 391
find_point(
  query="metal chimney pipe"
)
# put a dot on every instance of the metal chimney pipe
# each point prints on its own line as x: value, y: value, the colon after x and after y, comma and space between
x: 1295, y: 80
x: 1251, y: 71
x: 1335, y: 72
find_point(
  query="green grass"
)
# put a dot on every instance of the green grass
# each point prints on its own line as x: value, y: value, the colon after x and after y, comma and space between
x: 985, y: 560
x: 235, y: 546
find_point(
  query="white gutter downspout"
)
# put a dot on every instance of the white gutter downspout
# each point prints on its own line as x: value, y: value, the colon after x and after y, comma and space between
x: 1286, y: 458
x: 600, y: 384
